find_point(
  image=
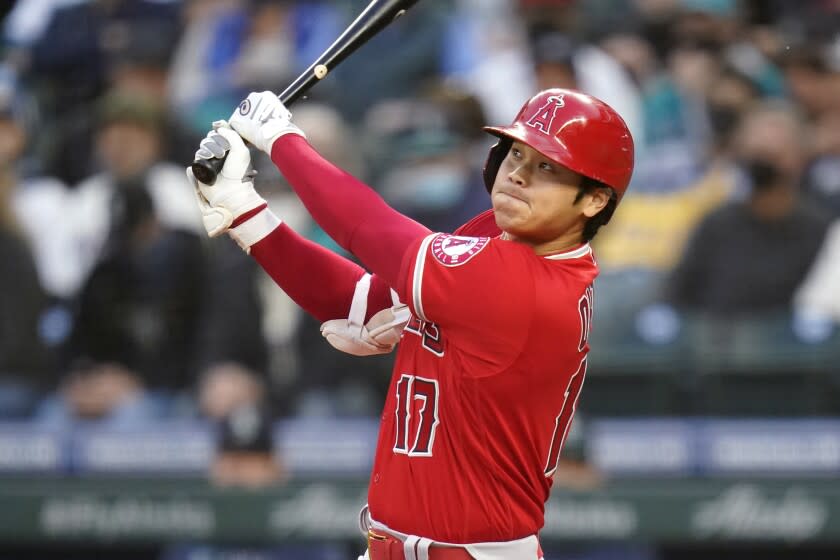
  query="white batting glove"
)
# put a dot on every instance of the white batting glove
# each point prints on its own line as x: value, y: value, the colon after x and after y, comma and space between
x: 261, y: 119
x: 233, y: 193
x: 379, y: 336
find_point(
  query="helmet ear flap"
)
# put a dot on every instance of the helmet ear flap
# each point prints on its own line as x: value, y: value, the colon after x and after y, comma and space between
x: 494, y: 161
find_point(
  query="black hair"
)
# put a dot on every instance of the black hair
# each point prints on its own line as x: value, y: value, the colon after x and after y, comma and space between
x: 593, y: 224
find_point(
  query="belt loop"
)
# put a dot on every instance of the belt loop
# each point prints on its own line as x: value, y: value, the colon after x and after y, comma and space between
x: 408, y: 547
x: 423, y: 548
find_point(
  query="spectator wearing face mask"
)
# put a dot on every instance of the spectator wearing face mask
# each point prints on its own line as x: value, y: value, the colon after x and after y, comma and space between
x: 750, y: 255
x: 428, y: 147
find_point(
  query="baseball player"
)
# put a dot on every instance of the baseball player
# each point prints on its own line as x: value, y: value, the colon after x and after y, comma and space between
x: 492, y: 321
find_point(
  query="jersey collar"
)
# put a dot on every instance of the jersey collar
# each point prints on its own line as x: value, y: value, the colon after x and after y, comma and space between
x: 581, y: 251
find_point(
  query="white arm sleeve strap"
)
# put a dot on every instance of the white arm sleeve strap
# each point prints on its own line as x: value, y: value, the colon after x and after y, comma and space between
x: 358, y: 307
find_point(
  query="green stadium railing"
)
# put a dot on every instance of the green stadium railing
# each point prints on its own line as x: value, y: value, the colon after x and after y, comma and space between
x: 113, y: 510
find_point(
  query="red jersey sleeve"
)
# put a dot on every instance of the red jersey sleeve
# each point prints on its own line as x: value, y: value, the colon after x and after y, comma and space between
x: 318, y: 280
x: 478, y: 289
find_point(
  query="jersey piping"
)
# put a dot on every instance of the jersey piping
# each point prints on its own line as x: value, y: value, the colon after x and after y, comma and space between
x: 417, y: 281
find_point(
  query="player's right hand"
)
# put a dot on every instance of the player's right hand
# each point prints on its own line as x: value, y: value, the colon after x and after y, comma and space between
x: 233, y: 194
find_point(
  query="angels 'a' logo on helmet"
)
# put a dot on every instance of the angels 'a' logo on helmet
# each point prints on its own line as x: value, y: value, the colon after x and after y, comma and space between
x: 454, y: 250
x: 544, y: 117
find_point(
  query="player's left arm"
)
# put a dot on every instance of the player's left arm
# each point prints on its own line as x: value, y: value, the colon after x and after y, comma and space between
x: 360, y: 313
x: 349, y: 211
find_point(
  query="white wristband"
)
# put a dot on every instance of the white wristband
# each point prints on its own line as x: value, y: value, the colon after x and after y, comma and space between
x: 254, y: 229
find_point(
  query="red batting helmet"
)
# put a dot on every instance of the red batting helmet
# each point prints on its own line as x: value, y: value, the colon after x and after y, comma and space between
x: 575, y: 130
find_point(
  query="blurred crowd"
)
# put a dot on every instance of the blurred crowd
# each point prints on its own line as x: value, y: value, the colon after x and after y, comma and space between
x: 115, y: 307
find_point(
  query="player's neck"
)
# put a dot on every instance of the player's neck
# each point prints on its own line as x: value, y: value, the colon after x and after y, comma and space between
x: 565, y: 242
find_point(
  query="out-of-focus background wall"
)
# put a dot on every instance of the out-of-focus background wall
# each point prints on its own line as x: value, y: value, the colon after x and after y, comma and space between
x: 160, y: 398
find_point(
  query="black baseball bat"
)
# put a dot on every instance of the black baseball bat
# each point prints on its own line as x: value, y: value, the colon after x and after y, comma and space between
x: 375, y: 17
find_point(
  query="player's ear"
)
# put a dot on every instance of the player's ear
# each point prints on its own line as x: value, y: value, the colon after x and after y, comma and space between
x: 595, y: 200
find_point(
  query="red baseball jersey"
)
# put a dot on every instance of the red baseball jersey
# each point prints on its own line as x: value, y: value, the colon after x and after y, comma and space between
x: 485, y: 384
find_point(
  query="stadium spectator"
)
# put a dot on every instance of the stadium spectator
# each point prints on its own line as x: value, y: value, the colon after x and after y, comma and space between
x: 225, y: 387
x: 68, y: 65
x: 232, y: 326
x: 125, y: 120
x: 430, y: 172
x: 750, y: 255
x: 139, y: 273
x: 245, y: 456
x: 105, y: 392
x: 141, y: 303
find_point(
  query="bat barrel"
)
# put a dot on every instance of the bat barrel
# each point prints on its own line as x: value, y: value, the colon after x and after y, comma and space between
x: 375, y: 17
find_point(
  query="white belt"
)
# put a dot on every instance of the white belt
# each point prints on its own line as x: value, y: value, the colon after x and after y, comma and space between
x: 414, y: 547
x: 520, y: 548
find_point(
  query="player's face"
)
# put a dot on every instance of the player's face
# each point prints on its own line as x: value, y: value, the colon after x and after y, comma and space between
x: 534, y: 198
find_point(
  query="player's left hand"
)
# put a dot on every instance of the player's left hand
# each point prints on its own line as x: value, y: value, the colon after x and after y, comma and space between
x: 379, y: 336
x: 233, y: 194
x: 261, y: 118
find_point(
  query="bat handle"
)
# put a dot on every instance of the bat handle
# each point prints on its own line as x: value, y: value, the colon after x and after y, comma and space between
x: 206, y: 170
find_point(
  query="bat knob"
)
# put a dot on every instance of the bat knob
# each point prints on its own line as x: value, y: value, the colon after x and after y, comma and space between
x: 206, y: 170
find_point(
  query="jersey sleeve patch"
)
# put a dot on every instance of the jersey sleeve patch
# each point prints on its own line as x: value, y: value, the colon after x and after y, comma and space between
x: 455, y: 250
